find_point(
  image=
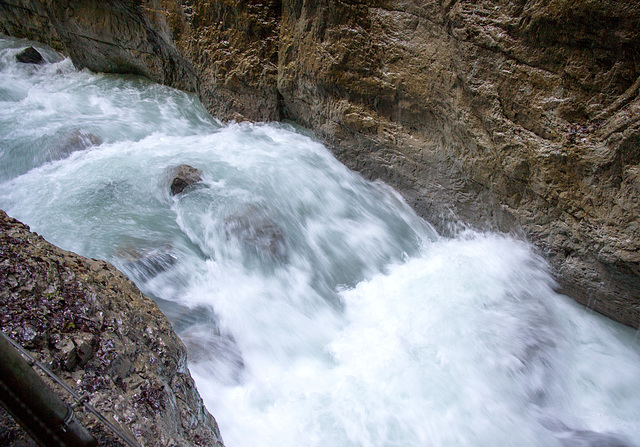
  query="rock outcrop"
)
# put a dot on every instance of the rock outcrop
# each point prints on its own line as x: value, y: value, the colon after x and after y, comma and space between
x: 516, y: 116
x: 90, y: 324
x: 115, y: 36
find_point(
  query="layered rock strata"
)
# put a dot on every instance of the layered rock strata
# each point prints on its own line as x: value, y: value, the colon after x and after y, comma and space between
x: 518, y: 116
x: 90, y: 324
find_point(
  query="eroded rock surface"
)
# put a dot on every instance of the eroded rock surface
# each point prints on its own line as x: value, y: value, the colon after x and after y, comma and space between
x: 93, y: 327
x: 504, y: 115
x: 516, y: 116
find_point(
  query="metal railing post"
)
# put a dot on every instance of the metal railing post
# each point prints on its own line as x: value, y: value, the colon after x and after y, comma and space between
x: 49, y: 420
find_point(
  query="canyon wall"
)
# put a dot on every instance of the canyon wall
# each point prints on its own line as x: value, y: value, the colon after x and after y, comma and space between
x: 520, y: 116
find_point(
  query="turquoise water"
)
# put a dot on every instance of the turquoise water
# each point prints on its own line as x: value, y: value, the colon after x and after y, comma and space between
x: 317, y: 308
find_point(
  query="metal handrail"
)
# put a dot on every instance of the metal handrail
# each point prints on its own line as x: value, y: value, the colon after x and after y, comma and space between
x: 45, y: 416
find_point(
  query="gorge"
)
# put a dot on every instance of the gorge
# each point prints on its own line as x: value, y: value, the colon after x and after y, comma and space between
x: 469, y: 109
x: 503, y: 115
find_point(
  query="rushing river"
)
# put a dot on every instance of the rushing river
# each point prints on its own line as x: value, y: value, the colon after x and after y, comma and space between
x: 317, y: 308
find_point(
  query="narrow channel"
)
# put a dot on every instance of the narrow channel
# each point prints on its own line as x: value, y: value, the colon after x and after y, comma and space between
x: 317, y: 308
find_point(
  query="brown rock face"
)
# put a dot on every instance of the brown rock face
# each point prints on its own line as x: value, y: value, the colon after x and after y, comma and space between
x: 516, y: 116
x: 234, y: 46
x: 91, y: 325
x: 504, y: 115
x: 115, y: 36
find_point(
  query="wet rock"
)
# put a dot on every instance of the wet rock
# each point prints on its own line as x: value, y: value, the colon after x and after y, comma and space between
x: 184, y: 176
x: 208, y: 345
x: 114, y: 37
x: 30, y: 56
x: 96, y: 330
x: 78, y: 140
x: 256, y: 230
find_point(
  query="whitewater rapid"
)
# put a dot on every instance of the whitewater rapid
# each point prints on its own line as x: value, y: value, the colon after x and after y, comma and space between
x: 363, y: 327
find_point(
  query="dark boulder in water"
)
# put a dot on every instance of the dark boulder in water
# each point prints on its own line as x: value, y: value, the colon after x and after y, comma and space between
x: 257, y: 231
x: 30, y: 56
x: 184, y: 176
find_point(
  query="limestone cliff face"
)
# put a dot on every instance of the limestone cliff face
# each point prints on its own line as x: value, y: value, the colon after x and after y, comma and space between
x: 510, y: 115
x: 234, y: 47
x: 90, y: 324
x: 507, y: 115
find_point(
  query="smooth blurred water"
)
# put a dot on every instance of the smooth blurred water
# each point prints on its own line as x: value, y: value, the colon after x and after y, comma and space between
x: 317, y: 308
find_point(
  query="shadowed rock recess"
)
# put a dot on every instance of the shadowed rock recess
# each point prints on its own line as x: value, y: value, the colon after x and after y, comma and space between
x: 90, y: 324
x: 519, y: 116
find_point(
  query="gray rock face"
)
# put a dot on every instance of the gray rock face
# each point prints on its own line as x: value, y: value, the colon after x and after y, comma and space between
x: 99, y: 333
x: 183, y: 176
x: 118, y: 36
x: 510, y: 116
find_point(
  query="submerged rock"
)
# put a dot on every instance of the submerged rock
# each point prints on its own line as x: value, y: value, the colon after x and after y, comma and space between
x: 184, y: 176
x: 92, y: 326
x: 569, y: 437
x: 146, y: 263
x: 257, y: 231
x: 72, y: 141
x: 78, y: 140
x: 217, y: 353
x: 30, y: 56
